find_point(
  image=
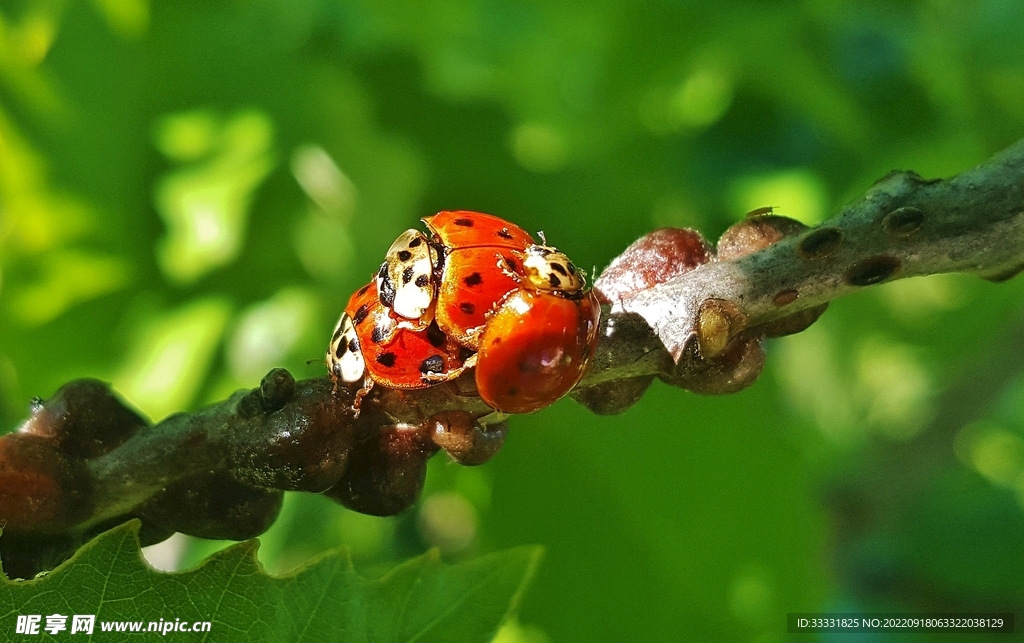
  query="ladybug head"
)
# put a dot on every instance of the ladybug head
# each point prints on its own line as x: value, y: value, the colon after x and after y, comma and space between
x: 549, y: 270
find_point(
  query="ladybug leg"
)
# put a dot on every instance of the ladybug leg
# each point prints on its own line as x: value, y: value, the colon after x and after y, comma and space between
x: 437, y: 378
x: 468, y: 440
x: 360, y: 394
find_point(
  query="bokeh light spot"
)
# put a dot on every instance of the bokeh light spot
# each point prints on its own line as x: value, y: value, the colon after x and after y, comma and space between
x: 701, y: 100
x: 750, y: 597
x: 267, y: 332
x: 798, y: 193
x: 895, y: 388
x: 66, y: 278
x: 206, y: 206
x: 168, y: 361
x: 323, y: 181
x: 994, y: 452
x: 447, y: 521
x: 539, y: 148
x: 515, y: 632
x: 129, y: 18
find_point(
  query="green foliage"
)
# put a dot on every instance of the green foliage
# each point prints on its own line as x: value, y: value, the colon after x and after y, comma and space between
x: 420, y: 600
x: 189, y: 192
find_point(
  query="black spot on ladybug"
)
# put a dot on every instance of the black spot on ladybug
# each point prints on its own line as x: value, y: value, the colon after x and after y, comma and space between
x: 512, y: 392
x: 554, y: 280
x: 404, y: 255
x: 467, y: 307
x: 504, y: 233
x: 415, y: 242
x: 361, y: 314
x: 387, y: 291
x: 407, y: 275
x: 353, y: 345
x: 495, y: 341
x: 362, y: 291
x: 557, y: 267
x: 422, y: 281
x: 465, y: 223
x: 386, y: 359
x: 435, y: 335
x: 511, y: 263
x: 433, y: 364
x: 474, y: 279
x: 377, y: 336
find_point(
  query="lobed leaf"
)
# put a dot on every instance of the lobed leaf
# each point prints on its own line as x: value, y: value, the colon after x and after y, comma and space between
x: 421, y: 600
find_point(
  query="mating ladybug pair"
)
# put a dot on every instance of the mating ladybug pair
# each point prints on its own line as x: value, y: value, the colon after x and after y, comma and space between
x: 478, y: 292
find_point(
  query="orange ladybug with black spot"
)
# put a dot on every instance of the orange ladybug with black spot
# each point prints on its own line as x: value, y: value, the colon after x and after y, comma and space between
x: 373, y: 345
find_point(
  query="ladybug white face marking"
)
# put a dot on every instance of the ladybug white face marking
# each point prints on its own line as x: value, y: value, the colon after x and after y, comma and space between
x: 405, y: 280
x: 344, y: 359
x: 549, y: 270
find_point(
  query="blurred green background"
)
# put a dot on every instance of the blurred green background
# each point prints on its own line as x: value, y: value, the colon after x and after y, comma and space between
x: 189, y: 191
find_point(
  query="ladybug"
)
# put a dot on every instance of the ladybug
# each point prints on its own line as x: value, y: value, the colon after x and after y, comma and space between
x: 536, y: 344
x: 482, y: 261
x: 498, y: 286
x: 372, y: 344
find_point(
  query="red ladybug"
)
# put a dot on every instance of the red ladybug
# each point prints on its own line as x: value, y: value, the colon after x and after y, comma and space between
x: 482, y: 263
x: 370, y: 341
x: 535, y: 348
x: 523, y: 306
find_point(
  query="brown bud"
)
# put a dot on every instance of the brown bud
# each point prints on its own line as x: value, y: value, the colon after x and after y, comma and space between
x: 84, y: 419
x: 386, y: 472
x: 756, y: 233
x: 793, y: 324
x: 612, y: 398
x: 277, y: 388
x: 873, y: 270
x: 718, y: 321
x: 309, y: 440
x: 759, y: 232
x: 819, y: 243
x: 650, y: 260
x: 463, y: 438
x: 736, y: 368
x: 903, y: 222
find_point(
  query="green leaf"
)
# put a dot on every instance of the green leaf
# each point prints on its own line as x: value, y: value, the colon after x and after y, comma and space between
x: 421, y: 600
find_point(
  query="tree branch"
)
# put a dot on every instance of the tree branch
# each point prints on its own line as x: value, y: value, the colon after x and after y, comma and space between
x: 673, y: 310
x: 904, y: 226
